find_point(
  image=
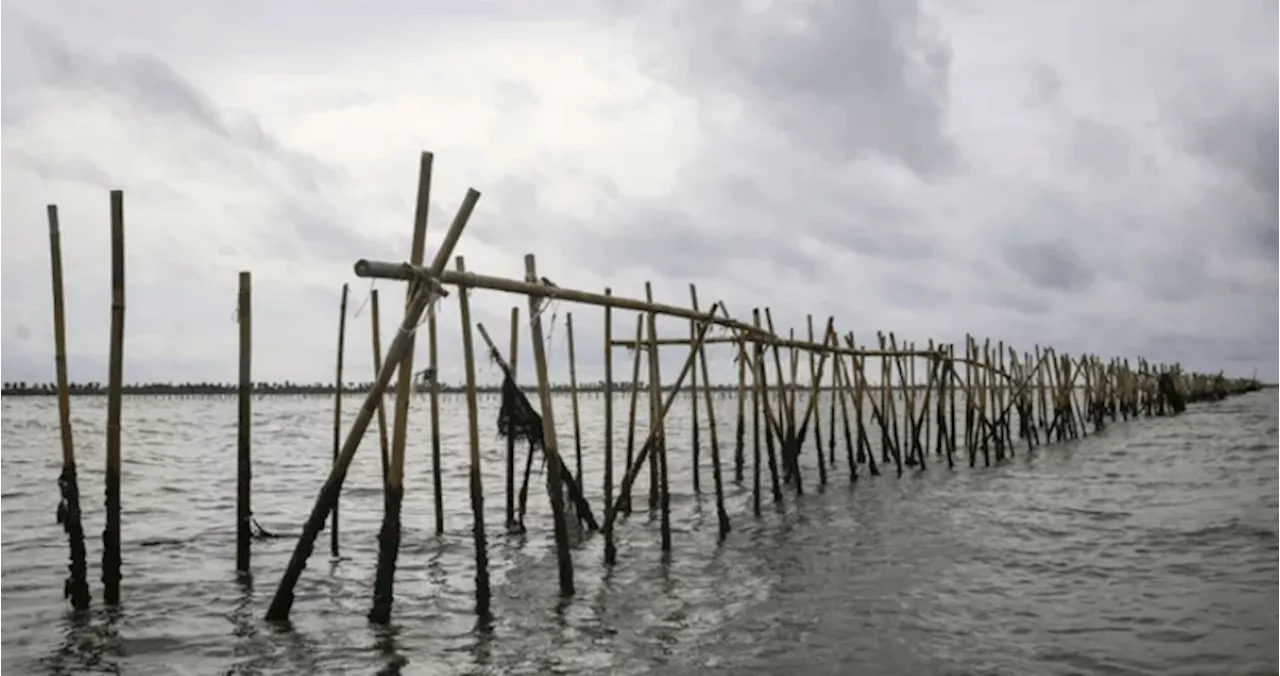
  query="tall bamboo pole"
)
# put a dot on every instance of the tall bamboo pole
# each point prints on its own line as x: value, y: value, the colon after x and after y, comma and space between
x: 244, y: 395
x: 337, y: 415
x: 393, y: 496
x: 476, y: 487
x: 111, y: 558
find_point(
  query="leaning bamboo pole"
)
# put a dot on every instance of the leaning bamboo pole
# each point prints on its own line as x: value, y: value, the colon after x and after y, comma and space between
x: 77, y: 586
x: 424, y: 293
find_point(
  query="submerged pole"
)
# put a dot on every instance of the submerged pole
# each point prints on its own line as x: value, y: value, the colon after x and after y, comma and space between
x: 77, y: 585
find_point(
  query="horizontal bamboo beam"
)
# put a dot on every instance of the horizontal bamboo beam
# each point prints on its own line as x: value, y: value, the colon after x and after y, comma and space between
x: 784, y: 343
x: 406, y: 272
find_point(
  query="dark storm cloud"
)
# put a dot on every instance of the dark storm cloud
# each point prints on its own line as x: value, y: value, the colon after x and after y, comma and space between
x: 844, y: 79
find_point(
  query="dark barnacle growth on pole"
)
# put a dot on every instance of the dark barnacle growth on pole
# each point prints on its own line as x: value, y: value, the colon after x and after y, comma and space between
x: 76, y: 587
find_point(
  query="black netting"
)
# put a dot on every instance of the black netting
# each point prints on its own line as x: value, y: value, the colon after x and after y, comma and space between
x: 517, y: 418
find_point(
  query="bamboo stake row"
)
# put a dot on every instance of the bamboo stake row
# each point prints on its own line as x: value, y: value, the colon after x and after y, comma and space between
x: 911, y: 394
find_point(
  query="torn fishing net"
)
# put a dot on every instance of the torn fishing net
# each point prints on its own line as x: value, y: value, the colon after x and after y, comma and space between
x: 516, y: 418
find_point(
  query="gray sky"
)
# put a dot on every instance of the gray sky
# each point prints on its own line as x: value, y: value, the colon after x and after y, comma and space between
x: 1096, y: 176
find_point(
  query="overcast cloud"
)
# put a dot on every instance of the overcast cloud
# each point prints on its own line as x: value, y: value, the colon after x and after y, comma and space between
x: 1096, y: 176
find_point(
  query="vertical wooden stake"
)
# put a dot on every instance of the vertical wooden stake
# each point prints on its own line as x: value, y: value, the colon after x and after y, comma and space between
x: 111, y: 558
x: 635, y: 398
x: 722, y: 516
x: 738, y: 460
x: 609, y: 546
x: 657, y: 424
x: 476, y: 487
x: 384, y: 446
x: 573, y: 395
x: 77, y: 586
x: 511, y: 438
x: 433, y: 394
x: 337, y: 416
x: 694, y: 430
x: 550, y: 445
x: 244, y: 463
x: 393, y: 495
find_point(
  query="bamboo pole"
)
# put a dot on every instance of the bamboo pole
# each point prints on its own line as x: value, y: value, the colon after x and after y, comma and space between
x: 541, y: 289
x: 573, y: 395
x: 244, y: 463
x: 111, y: 557
x: 424, y: 294
x: 625, y: 496
x: 384, y: 446
x: 337, y: 416
x: 473, y: 429
x: 511, y: 438
x: 647, y: 449
x: 693, y: 401
x: 722, y: 517
x: 550, y: 445
x: 657, y: 425
x: 611, y: 551
x: 393, y: 495
x: 77, y: 585
x: 433, y: 404
x: 815, y: 375
x: 738, y: 449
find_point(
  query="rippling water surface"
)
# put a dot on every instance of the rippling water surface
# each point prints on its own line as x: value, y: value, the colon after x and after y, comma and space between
x: 1148, y: 549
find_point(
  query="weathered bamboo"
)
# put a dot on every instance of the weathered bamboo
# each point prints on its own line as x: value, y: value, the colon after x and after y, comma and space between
x: 433, y: 404
x: 693, y: 401
x: 625, y: 496
x: 722, y: 516
x: 473, y: 436
x: 384, y: 445
x: 610, y: 548
x: 244, y: 396
x: 573, y: 396
x: 76, y: 587
x: 393, y: 495
x: 657, y: 424
x: 647, y: 449
x: 815, y: 376
x: 423, y: 295
x: 337, y: 416
x: 111, y: 557
x: 755, y: 422
x: 512, y: 360
x: 839, y: 390
x: 541, y: 289
x: 773, y: 424
x: 740, y: 435
x: 550, y: 445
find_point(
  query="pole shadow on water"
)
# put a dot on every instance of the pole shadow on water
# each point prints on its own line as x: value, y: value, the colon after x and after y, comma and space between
x: 90, y: 643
